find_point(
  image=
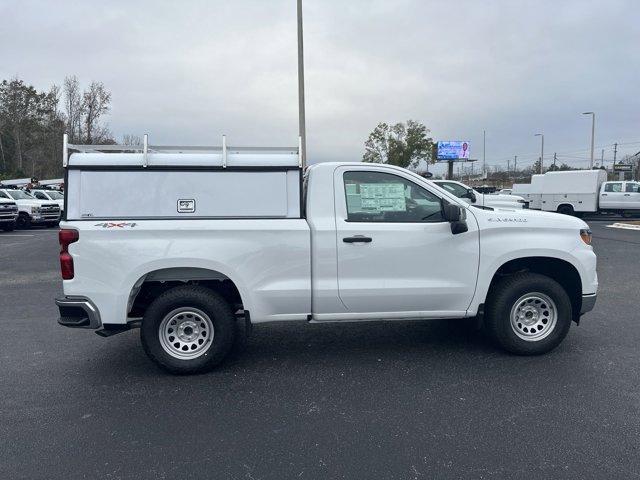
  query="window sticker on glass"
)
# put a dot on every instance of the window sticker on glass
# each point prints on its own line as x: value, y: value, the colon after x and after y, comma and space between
x: 383, y: 197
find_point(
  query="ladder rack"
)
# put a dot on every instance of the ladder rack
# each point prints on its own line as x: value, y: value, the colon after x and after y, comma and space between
x: 145, y: 149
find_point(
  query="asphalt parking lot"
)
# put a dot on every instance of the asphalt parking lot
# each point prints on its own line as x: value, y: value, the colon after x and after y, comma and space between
x: 388, y: 400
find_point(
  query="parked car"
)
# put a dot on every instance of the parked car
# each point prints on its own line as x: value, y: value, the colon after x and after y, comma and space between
x: 8, y: 213
x: 242, y: 235
x: 474, y: 197
x: 505, y: 191
x: 32, y: 211
x: 49, y: 196
x: 582, y: 191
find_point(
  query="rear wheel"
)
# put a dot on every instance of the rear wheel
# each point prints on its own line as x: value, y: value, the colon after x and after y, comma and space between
x: 188, y: 329
x: 528, y: 314
x: 566, y: 210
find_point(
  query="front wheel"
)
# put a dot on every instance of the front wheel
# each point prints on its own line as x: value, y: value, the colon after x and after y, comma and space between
x: 24, y: 221
x: 188, y: 329
x: 528, y: 314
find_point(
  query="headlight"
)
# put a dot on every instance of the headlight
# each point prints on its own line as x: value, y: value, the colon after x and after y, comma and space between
x: 585, y: 235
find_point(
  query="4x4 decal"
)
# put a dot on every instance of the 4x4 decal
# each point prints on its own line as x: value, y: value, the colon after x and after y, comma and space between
x: 115, y: 225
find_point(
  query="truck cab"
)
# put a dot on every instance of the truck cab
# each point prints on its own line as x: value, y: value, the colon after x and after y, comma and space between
x: 32, y: 211
x: 473, y: 197
x: 620, y: 196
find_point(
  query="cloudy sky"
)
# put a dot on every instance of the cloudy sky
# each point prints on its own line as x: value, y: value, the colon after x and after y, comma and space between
x: 188, y: 71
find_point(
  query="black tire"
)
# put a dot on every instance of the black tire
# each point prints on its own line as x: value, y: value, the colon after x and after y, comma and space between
x: 23, y: 221
x: 505, y: 297
x: 9, y: 227
x: 202, y: 300
x: 627, y: 214
x: 566, y: 210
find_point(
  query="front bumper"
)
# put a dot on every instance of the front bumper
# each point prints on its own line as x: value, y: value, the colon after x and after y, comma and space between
x: 588, y: 302
x: 38, y: 219
x: 78, y: 312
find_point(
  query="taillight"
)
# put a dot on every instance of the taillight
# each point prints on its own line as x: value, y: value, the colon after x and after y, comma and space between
x: 67, y: 237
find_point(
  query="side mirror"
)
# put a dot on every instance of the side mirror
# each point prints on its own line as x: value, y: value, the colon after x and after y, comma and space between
x: 471, y: 195
x: 452, y: 213
x: 456, y: 217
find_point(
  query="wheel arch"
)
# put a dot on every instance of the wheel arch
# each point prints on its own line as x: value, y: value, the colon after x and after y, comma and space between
x: 154, y: 282
x: 565, y: 204
x: 557, y: 269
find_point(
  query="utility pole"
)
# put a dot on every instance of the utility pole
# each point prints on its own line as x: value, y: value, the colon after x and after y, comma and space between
x: 484, y: 151
x: 593, y: 132
x: 602, y: 159
x: 515, y: 167
x: 541, y: 135
x: 555, y: 157
x: 615, y: 152
x: 508, y: 171
x: 302, y: 131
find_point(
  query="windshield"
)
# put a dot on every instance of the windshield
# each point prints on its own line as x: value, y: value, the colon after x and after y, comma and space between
x: 19, y: 195
x: 458, y: 190
x: 55, y: 195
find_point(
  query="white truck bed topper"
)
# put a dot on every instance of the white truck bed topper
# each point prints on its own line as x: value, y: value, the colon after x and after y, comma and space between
x: 204, y: 182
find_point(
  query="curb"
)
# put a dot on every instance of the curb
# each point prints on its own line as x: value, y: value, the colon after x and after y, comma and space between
x: 625, y: 226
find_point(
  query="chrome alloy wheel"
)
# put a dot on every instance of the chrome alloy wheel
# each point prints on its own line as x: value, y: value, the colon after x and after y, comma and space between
x: 186, y: 333
x: 533, y: 316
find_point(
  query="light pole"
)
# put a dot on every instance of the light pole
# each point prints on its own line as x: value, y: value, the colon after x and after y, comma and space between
x: 541, y: 135
x: 593, y: 132
x: 302, y: 131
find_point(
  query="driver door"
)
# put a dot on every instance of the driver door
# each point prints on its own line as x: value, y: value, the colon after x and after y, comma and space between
x: 396, y: 254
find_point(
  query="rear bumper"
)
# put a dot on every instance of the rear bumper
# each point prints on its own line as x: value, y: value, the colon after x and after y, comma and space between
x: 78, y: 312
x: 588, y: 302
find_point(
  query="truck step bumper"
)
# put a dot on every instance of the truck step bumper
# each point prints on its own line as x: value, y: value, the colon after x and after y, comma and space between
x: 588, y: 302
x: 78, y: 312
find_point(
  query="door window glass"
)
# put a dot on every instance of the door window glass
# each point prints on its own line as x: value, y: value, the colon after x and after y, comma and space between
x: 40, y: 196
x: 458, y: 190
x: 633, y: 187
x: 613, y: 187
x: 3, y: 195
x: 383, y: 197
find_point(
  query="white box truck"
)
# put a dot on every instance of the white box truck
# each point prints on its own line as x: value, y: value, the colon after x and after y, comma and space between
x: 576, y: 192
x: 191, y: 243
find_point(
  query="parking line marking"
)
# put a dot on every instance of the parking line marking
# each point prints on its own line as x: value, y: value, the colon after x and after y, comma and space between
x: 6, y: 236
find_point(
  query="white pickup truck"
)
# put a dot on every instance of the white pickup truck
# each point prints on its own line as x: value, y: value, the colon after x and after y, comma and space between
x: 199, y: 241
x: 50, y: 196
x: 32, y: 211
x: 469, y: 195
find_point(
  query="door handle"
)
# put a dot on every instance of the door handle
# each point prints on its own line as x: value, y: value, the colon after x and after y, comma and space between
x: 627, y: 194
x: 357, y: 239
x: 604, y: 194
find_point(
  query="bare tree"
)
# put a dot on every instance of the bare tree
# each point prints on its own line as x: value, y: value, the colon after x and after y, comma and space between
x: 130, y: 139
x: 73, y: 108
x: 96, y: 102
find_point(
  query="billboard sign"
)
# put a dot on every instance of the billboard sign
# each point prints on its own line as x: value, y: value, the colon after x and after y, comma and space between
x: 453, y: 150
x: 621, y: 167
